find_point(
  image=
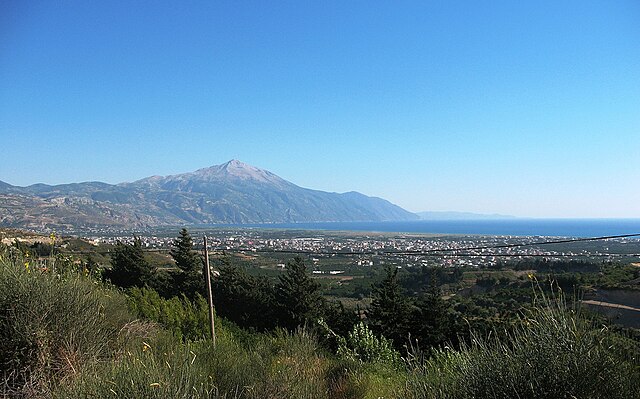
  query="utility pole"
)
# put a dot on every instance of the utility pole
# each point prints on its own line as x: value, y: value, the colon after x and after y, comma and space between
x: 207, y: 274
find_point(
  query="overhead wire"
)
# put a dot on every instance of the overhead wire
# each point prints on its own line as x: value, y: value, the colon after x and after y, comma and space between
x: 449, y: 252
x: 437, y: 252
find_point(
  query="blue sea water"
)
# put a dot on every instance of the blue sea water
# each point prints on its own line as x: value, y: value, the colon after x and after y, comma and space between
x: 510, y: 227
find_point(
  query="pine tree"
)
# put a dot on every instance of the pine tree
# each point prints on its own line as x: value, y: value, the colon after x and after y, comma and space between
x: 430, y: 321
x: 129, y: 268
x: 297, y: 296
x: 242, y: 298
x: 189, y: 279
x: 390, y: 309
x: 341, y: 319
x: 187, y: 260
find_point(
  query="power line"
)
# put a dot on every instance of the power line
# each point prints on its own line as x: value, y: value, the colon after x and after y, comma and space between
x: 436, y: 252
x: 532, y: 244
x: 462, y: 255
x: 426, y: 252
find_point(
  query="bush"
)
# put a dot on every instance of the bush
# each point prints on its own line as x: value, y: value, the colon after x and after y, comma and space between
x: 187, y: 320
x: 363, y: 346
x: 554, y: 352
x: 67, y: 336
x: 52, y: 325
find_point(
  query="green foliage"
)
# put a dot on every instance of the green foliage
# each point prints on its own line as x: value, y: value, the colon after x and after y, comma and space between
x: 390, y: 309
x: 129, y: 268
x: 416, y: 279
x: 616, y: 275
x: 376, y: 381
x: 52, y: 325
x: 341, y: 318
x: 281, y: 365
x: 552, y: 266
x: 244, y: 299
x: 63, y: 335
x: 144, y: 373
x: 183, y: 254
x: 189, y: 279
x: 185, y: 319
x: 362, y: 345
x: 554, y: 352
x: 91, y: 266
x: 431, y: 323
x: 41, y: 249
x: 297, y: 296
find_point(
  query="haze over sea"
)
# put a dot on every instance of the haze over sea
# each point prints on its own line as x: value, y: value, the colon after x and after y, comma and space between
x: 510, y: 227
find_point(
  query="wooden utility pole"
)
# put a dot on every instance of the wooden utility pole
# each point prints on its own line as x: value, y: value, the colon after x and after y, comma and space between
x: 207, y: 274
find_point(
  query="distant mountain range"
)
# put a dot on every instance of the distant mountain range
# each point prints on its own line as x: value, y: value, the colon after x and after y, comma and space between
x: 231, y: 193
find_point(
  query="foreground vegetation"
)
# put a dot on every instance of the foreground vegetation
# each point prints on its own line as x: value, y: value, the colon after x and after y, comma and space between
x: 66, y: 334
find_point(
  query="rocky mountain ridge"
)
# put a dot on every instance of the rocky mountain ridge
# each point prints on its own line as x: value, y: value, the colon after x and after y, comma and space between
x: 231, y: 193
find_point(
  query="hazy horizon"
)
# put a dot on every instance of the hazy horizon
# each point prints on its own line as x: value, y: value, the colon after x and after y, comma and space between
x: 523, y: 109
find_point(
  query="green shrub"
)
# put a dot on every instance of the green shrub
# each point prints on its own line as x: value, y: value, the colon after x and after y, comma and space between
x: 67, y: 336
x: 554, y: 352
x: 186, y: 319
x: 51, y: 325
x: 362, y: 345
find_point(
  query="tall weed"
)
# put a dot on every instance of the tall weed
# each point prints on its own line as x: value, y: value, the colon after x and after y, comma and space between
x: 554, y: 352
x: 51, y: 325
x: 282, y: 365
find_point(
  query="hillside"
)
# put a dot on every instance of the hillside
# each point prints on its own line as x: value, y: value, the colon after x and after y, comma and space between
x: 66, y: 334
x: 231, y: 193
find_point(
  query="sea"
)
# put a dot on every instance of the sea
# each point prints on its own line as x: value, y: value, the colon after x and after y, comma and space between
x: 500, y: 227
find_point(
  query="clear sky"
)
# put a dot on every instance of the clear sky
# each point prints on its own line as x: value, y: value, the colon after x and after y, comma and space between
x: 513, y: 107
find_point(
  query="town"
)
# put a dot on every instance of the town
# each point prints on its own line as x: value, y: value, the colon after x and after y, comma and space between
x: 383, y: 249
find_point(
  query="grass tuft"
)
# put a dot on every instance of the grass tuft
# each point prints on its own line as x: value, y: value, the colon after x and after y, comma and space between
x: 52, y: 325
x: 554, y: 352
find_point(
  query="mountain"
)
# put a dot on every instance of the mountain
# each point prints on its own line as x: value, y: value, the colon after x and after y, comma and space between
x: 460, y: 216
x: 231, y: 193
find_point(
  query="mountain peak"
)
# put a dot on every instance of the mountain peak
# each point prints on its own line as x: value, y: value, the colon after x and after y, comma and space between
x: 234, y: 164
x: 238, y: 170
x: 233, y: 192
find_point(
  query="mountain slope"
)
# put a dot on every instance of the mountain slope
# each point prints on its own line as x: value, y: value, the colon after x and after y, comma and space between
x: 232, y: 193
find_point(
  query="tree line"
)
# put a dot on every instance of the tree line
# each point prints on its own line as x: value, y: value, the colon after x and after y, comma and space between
x: 294, y: 299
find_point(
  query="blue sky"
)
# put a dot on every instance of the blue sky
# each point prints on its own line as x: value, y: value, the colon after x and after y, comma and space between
x: 522, y: 108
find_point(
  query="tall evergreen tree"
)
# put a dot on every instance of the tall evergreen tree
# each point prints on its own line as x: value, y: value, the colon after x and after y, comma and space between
x: 129, y: 267
x: 390, y: 309
x: 340, y: 319
x: 297, y: 296
x: 431, y: 324
x: 189, y: 279
x: 242, y: 298
x: 187, y: 260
